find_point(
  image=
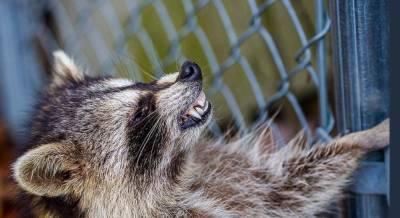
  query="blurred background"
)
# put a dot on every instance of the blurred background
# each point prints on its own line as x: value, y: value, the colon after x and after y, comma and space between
x: 319, y: 66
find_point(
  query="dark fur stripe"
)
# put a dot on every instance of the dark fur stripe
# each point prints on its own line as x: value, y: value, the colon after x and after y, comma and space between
x: 146, y: 142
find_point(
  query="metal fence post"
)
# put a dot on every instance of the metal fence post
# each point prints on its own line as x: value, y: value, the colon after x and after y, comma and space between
x: 361, y: 69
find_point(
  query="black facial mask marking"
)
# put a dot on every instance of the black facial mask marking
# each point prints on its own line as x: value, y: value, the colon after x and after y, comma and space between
x: 146, y: 136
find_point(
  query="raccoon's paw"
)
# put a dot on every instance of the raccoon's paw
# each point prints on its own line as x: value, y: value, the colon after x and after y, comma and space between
x: 375, y: 138
x: 379, y: 135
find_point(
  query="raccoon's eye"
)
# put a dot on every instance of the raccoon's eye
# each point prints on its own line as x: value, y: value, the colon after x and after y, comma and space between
x: 140, y: 114
x: 145, y: 108
x: 143, y: 112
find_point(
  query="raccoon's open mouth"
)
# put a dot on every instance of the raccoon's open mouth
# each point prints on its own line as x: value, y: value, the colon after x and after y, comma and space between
x: 197, y: 113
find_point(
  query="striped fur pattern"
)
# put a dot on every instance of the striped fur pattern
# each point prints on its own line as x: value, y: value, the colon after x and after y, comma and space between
x: 106, y: 147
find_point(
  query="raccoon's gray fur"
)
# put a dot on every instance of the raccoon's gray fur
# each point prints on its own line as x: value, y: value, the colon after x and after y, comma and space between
x: 106, y: 147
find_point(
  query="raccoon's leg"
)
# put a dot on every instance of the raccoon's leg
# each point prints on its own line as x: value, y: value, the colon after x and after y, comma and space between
x: 305, y: 181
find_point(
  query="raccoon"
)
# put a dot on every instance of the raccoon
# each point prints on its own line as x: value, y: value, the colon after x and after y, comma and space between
x: 108, y: 147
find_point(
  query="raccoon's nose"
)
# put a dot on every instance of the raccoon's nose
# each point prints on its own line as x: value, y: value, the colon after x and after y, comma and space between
x: 189, y: 72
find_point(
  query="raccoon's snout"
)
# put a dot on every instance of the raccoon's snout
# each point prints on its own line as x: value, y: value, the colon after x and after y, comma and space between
x: 197, y: 113
x: 199, y: 110
x: 190, y: 72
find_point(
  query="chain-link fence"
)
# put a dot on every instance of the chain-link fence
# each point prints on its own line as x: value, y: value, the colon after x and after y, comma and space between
x: 100, y: 34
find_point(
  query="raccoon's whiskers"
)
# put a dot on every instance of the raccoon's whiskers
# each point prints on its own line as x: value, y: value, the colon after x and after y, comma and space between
x: 132, y: 69
x: 143, y: 71
x: 143, y: 144
x: 155, y: 126
x: 148, y: 136
x: 124, y: 68
x: 118, y: 66
x: 152, y: 145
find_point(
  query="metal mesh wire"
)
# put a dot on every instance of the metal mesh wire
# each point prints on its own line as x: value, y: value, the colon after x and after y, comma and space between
x: 96, y: 34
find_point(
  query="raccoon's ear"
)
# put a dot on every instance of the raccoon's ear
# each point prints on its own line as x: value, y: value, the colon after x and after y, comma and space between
x: 48, y: 170
x: 64, y: 69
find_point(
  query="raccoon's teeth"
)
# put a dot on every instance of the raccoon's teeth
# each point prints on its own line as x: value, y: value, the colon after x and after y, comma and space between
x: 201, y: 100
x: 199, y: 110
x: 194, y: 113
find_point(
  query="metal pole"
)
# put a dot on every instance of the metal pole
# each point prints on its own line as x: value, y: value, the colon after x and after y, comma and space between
x: 321, y: 64
x: 361, y: 71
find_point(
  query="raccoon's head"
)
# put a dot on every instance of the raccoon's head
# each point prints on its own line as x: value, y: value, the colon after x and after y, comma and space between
x: 91, y: 133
